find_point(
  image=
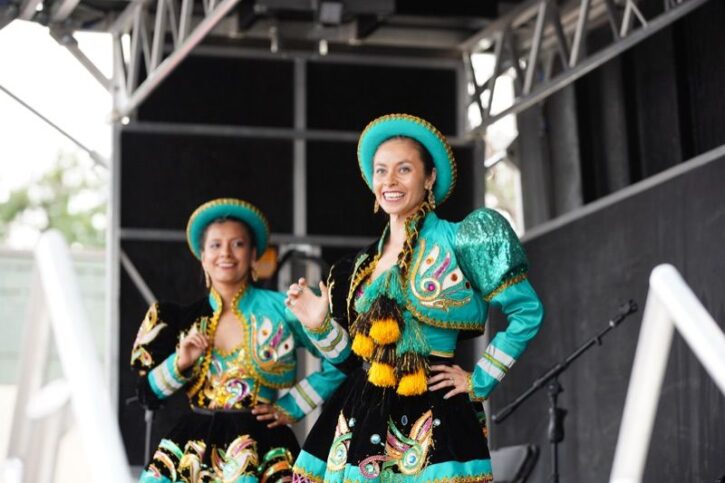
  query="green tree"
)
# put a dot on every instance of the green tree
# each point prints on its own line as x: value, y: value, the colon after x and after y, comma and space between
x: 68, y: 197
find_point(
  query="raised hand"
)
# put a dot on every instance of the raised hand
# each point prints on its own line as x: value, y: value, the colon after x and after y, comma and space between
x: 309, y: 308
x: 190, y: 349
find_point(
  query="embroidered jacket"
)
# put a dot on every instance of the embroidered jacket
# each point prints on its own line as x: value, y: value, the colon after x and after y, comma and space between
x: 457, y: 271
x: 264, y: 362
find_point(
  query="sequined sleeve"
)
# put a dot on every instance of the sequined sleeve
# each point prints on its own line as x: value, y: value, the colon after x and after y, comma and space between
x: 491, y: 256
x: 489, y: 252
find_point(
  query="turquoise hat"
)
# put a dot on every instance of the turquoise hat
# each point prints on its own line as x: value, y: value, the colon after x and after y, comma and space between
x: 227, y: 208
x: 390, y: 125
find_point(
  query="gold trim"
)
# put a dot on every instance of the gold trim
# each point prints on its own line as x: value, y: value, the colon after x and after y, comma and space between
x: 511, y: 281
x: 444, y: 324
x: 359, y: 275
x: 206, y: 361
x: 447, y: 355
x: 427, y: 125
x: 323, y: 328
x: 225, y: 201
x: 306, y: 474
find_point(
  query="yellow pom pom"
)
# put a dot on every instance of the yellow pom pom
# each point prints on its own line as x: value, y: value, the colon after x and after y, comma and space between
x: 382, y: 375
x: 385, y: 331
x: 363, y: 346
x: 413, y: 384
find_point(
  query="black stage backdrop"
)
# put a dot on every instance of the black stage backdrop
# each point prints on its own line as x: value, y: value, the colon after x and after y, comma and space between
x: 583, y: 268
x: 167, y: 168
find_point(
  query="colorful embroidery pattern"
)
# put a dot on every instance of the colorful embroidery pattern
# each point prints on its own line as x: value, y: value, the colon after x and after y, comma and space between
x: 436, y: 281
x: 228, y: 385
x: 409, y: 453
x: 340, y: 445
x: 271, y: 346
x: 238, y: 459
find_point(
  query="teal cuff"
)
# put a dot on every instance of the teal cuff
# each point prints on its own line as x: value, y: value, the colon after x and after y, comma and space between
x: 524, y: 312
x: 331, y: 340
x: 165, y: 379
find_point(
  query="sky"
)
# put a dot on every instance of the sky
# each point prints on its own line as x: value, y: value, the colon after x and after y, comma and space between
x: 35, y: 68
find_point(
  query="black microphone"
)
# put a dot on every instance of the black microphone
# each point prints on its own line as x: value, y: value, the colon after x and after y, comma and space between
x: 625, y: 309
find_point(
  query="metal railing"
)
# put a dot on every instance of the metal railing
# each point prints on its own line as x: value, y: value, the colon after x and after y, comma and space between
x: 43, y: 412
x: 670, y: 304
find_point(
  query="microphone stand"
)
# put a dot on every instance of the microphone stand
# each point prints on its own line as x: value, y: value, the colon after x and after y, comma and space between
x: 550, y: 378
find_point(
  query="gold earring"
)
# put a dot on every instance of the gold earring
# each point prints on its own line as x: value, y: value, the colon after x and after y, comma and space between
x: 255, y: 275
x: 431, y: 199
x: 207, y: 279
x: 376, y: 206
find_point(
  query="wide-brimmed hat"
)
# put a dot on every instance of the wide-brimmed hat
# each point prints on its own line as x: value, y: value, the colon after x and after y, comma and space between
x: 391, y: 125
x: 227, y: 208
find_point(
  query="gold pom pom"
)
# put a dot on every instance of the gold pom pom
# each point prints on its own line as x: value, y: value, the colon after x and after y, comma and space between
x: 385, y: 331
x: 363, y: 346
x: 413, y: 384
x: 382, y: 375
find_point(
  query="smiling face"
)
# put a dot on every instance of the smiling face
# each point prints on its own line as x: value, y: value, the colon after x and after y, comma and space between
x: 227, y: 253
x: 400, y: 180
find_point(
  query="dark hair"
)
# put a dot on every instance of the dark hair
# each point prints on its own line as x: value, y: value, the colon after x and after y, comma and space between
x: 425, y: 155
x: 224, y: 219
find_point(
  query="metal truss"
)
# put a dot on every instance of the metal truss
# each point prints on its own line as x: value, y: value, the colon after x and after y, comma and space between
x: 544, y: 43
x: 147, y: 30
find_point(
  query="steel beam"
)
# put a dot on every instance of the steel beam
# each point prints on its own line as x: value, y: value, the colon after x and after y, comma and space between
x: 575, y: 63
x: 132, y: 21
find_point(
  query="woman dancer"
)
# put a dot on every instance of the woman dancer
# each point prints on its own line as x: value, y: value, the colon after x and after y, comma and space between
x: 405, y: 413
x: 231, y: 351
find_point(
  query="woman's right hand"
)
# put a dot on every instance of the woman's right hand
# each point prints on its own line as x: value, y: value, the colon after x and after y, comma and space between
x: 309, y: 308
x: 190, y: 349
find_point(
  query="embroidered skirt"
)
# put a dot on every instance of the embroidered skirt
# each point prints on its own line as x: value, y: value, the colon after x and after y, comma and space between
x: 223, y: 446
x: 369, y: 434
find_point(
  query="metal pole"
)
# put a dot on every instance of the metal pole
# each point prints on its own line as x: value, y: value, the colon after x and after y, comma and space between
x: 97, y: 158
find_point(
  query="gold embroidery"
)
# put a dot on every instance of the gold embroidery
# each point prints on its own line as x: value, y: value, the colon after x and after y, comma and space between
x: 436, y: 297
x: 511, y: 281
x: 476, y: 325
x: 150, y: 328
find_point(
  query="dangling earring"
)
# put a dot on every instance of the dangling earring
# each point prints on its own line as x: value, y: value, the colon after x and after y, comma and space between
x: 255, y: 275
x: 431, y: 199
x: 207, y: 279
x: 376, y: 206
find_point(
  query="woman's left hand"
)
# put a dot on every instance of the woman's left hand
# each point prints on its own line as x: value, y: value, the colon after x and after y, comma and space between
x: 451, y: 377
x: 267, y: 412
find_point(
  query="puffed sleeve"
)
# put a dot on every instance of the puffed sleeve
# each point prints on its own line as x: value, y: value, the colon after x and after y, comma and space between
x: 310, y: 392
x: 153, y: 356
x: 493, y: 259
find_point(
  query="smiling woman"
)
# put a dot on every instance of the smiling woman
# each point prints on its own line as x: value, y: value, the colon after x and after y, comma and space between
x: 235, y: 349
x: 406, y: 412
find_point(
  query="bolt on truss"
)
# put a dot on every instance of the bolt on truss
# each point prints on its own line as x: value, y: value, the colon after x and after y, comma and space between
x: 147, y: 30
x: 544, y: 43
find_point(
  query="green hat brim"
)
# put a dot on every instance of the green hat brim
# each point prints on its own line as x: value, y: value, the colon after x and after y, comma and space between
x: 385, y: 127
x: 231, y: 208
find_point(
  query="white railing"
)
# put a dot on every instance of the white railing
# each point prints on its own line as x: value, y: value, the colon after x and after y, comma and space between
x: 670, y: 304
x: 41, y: 413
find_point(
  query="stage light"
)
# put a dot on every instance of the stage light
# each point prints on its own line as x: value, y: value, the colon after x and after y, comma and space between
x: 322, y: 47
